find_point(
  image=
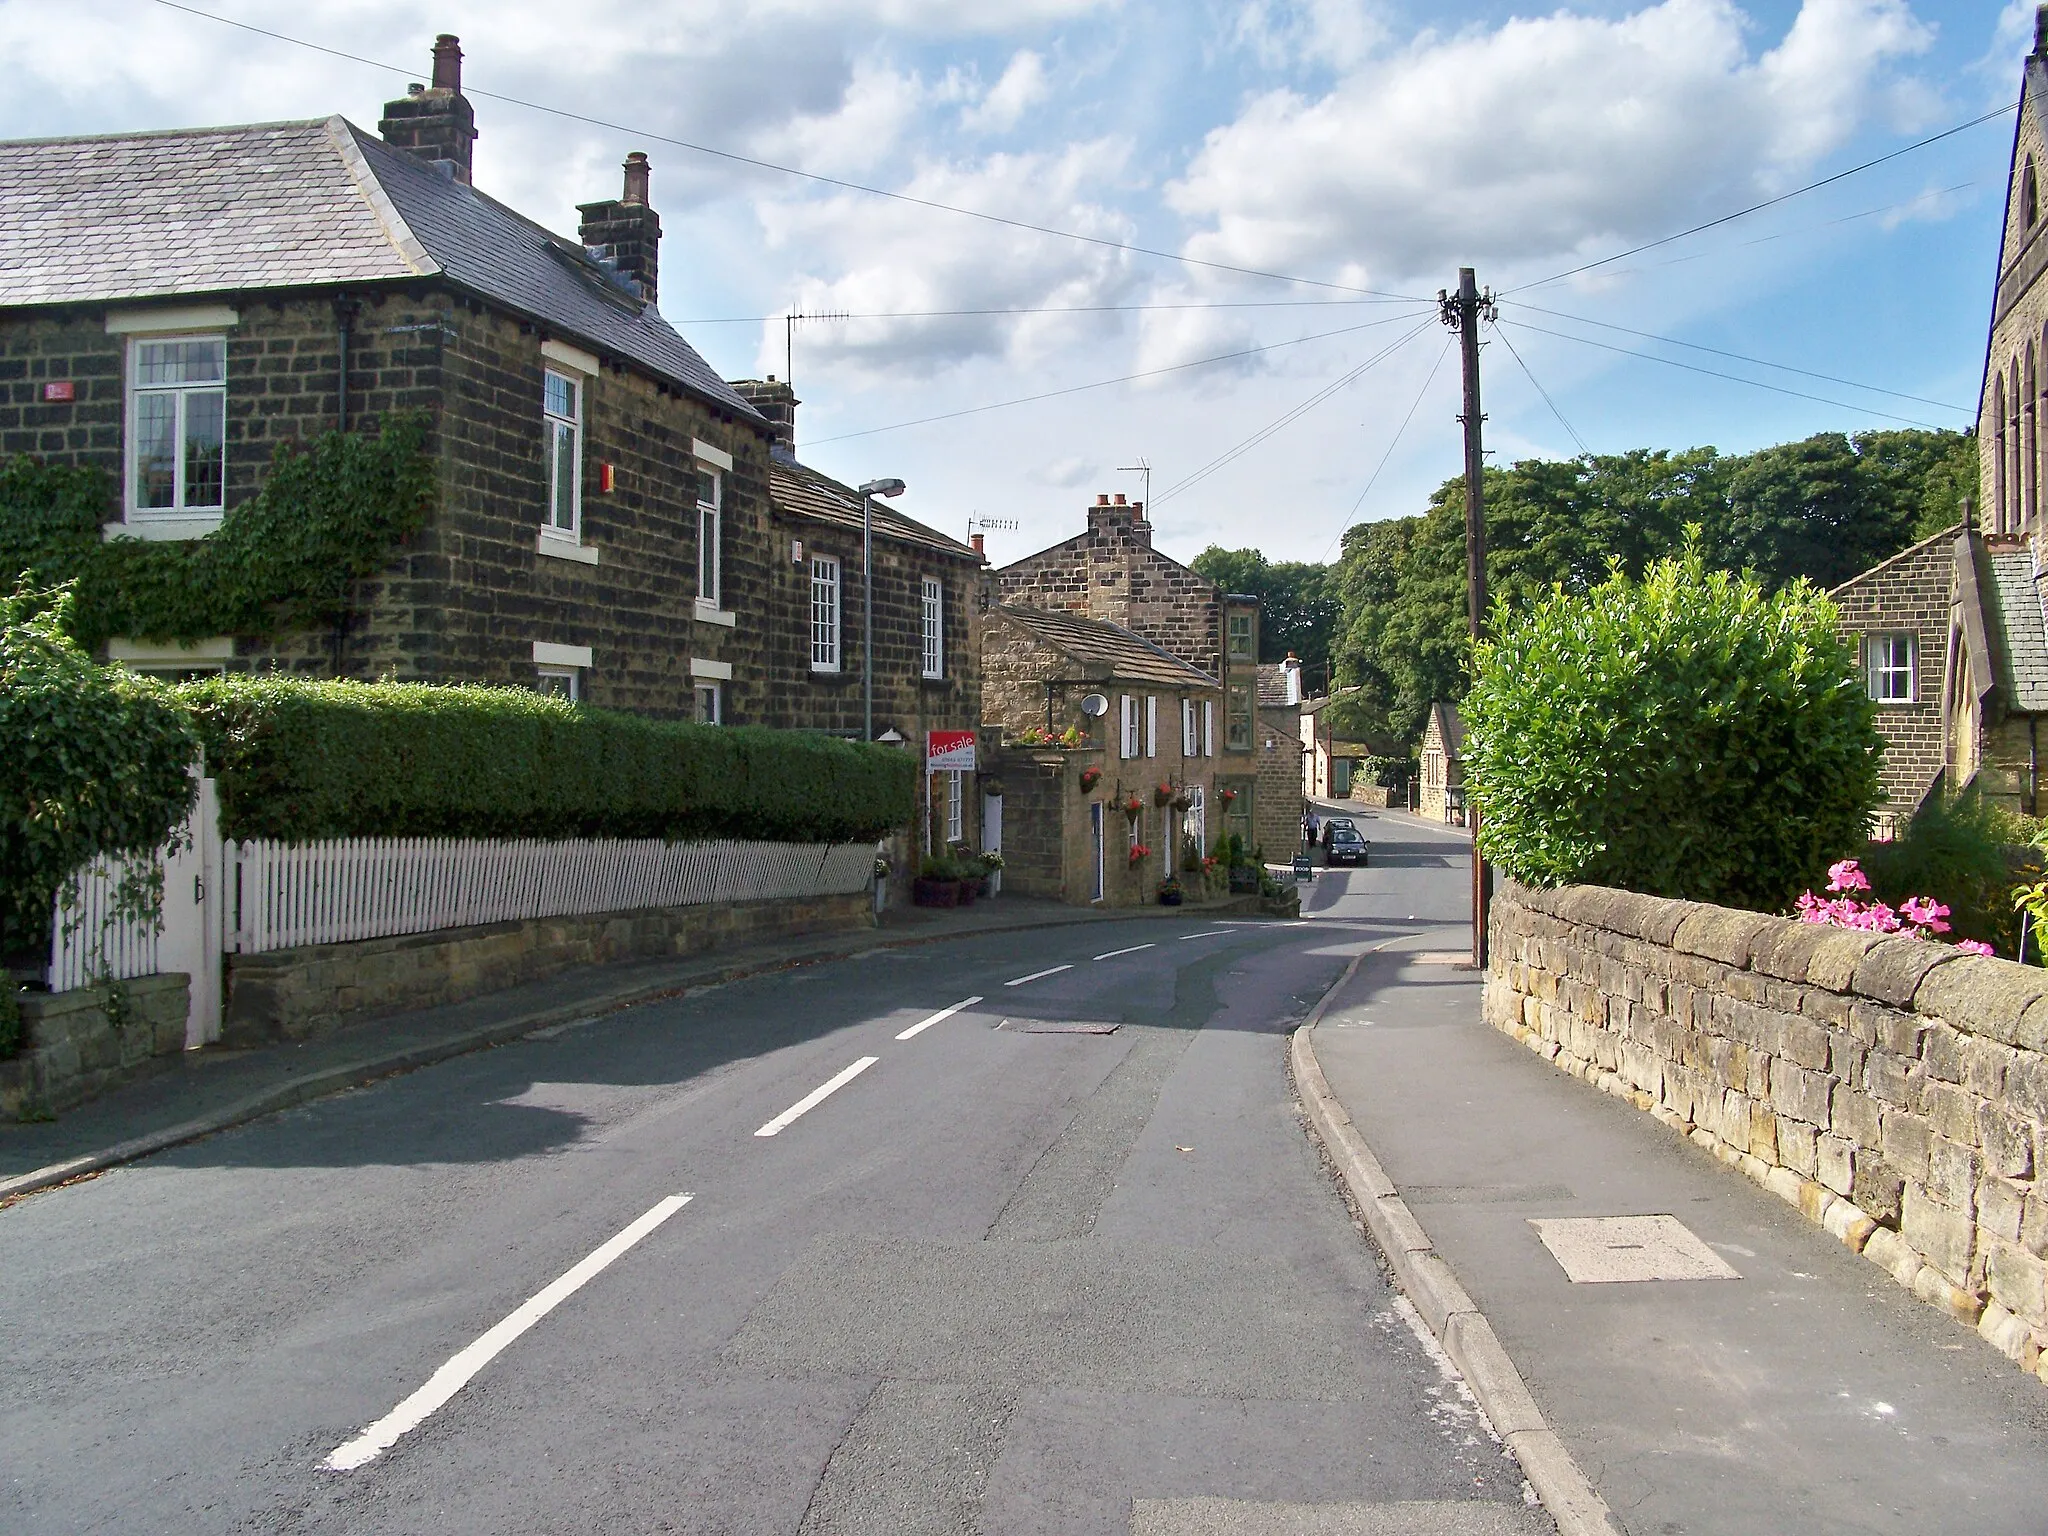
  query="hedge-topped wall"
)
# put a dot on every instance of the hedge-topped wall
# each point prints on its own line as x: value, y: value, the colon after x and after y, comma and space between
x: 298, y: 760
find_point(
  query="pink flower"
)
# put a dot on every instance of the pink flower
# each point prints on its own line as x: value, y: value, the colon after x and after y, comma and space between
x: 1925, y: 912
x: 1845, y: 876
x: 1974, y: 947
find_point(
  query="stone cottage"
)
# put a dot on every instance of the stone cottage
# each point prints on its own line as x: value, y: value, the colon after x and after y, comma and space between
x: 1441, y: 796
x: 927, y: 587
x: 1111, y: 572
x: 173, y: 306
x: 1108, y: 760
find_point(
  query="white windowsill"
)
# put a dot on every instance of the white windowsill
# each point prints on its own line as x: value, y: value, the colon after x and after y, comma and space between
x: 164, y: 526
x: 708, y: 614
x: 556, y: 547
x: 818, y: 671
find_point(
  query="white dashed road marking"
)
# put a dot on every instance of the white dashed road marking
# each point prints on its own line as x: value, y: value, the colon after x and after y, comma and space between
x: 1037, y: 975
x: 816, y: 1096
x: 944, y: 1013
x: 1131, y: 951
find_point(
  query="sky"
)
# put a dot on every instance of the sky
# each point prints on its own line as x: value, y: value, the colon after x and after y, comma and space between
x: 1302, y: 176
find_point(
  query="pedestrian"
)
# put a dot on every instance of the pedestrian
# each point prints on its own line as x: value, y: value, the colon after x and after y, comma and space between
x: 1308, y: 825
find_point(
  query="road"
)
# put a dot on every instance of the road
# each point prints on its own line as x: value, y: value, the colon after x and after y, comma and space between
x: 1053, y: 1254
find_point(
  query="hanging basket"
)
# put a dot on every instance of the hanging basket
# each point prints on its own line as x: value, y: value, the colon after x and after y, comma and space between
x: 1183, y: 801
x: 1162, y: 794
x: 1090, y: 777
x: 1133, y: 808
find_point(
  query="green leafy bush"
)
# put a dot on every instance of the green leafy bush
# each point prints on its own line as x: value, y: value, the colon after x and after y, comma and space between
x: 1689, y: 735
x: 10, y: 1017
x: 299, y: 759
x: 97, y: 761
x: 283, y: 559
x: 1967, y: 852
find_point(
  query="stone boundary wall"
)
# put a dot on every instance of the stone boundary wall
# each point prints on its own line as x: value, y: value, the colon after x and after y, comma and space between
x: 72, y: 1048
x: 1894, y: 1089
x: 293, y: 994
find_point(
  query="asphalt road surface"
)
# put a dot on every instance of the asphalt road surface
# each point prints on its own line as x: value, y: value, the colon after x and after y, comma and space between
x: 1054, y: 1253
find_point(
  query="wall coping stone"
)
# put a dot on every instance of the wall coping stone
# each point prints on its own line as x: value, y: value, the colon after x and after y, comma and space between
x: 1896, y: 965
x: 1985, y: 991
x: 1721, y: 933
x: 1839, y: 953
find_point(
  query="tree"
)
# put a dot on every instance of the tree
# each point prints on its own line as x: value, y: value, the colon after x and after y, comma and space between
x: 1693, y: 734
x: 98, y: 763
x: 1299, y: 607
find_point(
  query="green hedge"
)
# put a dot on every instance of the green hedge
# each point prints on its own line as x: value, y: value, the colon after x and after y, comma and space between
x: 298, y: 759
x: 283, y: 559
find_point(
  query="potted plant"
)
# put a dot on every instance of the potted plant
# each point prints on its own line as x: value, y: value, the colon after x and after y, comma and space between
x: 1170, y: 892
x: 1162, y: 794
x: 992, y: 788
x: 1090, y: 777
x: 937, y: 883
x: 966, y: 873
x: 1133, y: 808
x: 990, y: 862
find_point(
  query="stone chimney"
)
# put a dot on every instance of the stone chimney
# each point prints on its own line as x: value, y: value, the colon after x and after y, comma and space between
x: 774, y: 399
x: 2041, y: 31
x: 1119, y: 518
x: 625, y: 233
x: 435, y: 121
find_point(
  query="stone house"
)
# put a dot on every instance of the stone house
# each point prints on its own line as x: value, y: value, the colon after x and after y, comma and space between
x: 1145, y: 720
x: 1897, y: 614
x: 1973, y: 671
x: 1112, y: 573
x: 1279, y: 805
x: 927, y: 588
x: 175, y: 305
x: 1441, y: 796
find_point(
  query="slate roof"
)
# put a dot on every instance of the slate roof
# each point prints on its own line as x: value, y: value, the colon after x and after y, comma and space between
x: 1450, y: 728
x: 221, y: 211
x: 1119, y: 654
x: 802, y: 491
x: 2023, y: 654
x: 1273, y: 686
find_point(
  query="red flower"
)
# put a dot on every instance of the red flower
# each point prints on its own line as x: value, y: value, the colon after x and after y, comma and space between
x: 1140, y: 853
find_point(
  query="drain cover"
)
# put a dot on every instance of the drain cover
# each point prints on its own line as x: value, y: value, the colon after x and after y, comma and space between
x: 1600, y: 1250
x: 1055, y: 1027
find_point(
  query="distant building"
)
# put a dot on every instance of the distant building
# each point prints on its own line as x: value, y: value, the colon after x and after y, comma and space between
x: 1442, y: 794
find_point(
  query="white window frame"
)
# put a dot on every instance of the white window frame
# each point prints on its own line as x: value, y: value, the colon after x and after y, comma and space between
x: 571, y: 677
x: 825, y: 586
x: 1127, y: 722
x: 1197, y: 818
x: 1190, y: 737
x: 196, y: 519
x: 1208, y: 727
x: 701, y: 690
x: 1886, y: 672
x: 956, y: 794
x: 932, y: 605
x: 556, y: 425
x: 1151, y: 725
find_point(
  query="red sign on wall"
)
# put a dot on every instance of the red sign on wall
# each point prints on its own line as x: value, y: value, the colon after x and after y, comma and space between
x: 949, y: 750
x: 60, y: 389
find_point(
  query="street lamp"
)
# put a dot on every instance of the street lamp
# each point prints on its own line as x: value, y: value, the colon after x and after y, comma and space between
x: 868, y: 493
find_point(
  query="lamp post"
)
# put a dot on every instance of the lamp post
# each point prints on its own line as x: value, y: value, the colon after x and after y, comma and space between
x: 868, y: 493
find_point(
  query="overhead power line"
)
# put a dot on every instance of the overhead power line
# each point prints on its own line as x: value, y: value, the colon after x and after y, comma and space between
x: 1715, y: 373
x: 1508, y: 342
x: 1392, y: 443
x: 1240, y: 449
x: 1053, y: 309
x: 1125, y: 378
x: 1769, y: 202
x: 843, y: 184
x: 1673, y: 341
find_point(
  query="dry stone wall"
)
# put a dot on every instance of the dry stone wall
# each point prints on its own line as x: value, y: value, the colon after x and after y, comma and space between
x: 1896, y: 1090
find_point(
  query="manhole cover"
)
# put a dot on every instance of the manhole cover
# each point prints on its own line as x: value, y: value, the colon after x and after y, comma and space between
x: 1601, y: 1250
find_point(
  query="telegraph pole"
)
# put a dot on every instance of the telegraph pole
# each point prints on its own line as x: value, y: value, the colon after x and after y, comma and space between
x: 1462, y: 312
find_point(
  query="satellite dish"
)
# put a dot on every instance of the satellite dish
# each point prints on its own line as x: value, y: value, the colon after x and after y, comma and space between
x: 1094, y: 705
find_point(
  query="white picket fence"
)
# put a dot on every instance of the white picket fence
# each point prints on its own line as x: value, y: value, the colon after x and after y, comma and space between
x: 85, y: 946
x: 276, y: 896
x: 365, y: 888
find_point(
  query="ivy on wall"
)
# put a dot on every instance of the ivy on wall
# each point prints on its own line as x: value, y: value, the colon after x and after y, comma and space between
x: 283, y: 559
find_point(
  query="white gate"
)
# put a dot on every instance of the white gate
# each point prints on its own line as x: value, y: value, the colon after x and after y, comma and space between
x: 992, y: 837
x: 190, y: 938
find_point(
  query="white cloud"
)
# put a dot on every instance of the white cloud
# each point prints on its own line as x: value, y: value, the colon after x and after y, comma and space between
x: 1023, y: 86
x: 1328, y: 34
x: 1537, y: 140
x: 892, y: 258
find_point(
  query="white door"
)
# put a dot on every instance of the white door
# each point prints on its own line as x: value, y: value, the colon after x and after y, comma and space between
x: 190, y: 940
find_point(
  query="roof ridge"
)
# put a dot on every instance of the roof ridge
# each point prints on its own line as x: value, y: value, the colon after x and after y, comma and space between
x: 165, y: 133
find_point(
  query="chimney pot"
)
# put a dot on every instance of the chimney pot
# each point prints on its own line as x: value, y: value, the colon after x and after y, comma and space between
x: 447, y: 62
x: 636, y: 180
x: 977, y: 541
x: 415, y: 89
x: 1120, y: 498
x: 1102, y: 499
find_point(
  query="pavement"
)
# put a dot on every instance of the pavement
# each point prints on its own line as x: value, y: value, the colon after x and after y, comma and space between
x: 1800, y: 1391
x: 1006, y: 1233
x: 208, y: 1090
